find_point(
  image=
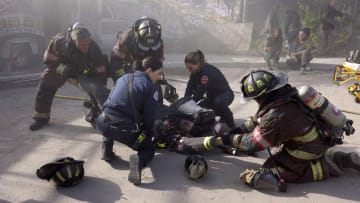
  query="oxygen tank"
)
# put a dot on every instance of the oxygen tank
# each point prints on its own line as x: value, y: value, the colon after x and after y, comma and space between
x: 321, y: 105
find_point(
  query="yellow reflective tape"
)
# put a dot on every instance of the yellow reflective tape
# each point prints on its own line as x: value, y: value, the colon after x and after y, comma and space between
x: 161, y: 145
x: 260, y: 84
x: 317, y: 171
x: 250, y: 88
x: 267, y: 77
x: 303, y: 155
x: 58, y: 174
x: 321, y: 175
x: 207, y: 143
x: 74, y: 82
x: 330, y: 153
x: 141, y: 138
x: 308, y: 137
x: 313, y: 168
x: 86, y: 71
x: 68, y: 169
x: 236, y: 141
x: 77, y: 170
x: 41, y: 115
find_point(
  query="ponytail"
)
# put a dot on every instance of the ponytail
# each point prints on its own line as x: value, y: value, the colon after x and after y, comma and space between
x: 195, y: 57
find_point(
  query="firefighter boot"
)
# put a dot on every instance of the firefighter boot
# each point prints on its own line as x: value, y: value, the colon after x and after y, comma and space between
x: 107, y: 150
x: 135, y: 170
x: 92, y: 112
x: 38, y: 123
x: 347, y: 160
x: 263, y: 179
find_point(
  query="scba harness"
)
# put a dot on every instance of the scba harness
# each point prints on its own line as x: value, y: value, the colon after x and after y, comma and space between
x: 330, y: 135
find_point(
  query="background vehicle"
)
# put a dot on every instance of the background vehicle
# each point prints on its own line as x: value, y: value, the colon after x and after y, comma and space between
x: 21, y: 33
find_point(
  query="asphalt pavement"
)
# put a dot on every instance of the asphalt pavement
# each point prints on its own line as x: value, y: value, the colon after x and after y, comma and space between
x: 68, y: 134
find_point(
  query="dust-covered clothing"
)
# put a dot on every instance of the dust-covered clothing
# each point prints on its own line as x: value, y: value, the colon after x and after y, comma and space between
x: 126, y: 52
x: 79, y: 68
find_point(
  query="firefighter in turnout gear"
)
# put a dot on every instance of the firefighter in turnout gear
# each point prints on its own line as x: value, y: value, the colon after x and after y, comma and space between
x: 303, y: 155
x: 280, y: 121
x: 139, y: 42
x: 142, y: 40
x: 73, y: 57
x: 209, y: 86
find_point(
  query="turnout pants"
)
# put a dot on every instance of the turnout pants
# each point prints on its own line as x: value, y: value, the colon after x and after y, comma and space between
x: 50, y: 82
x: 296, y: 170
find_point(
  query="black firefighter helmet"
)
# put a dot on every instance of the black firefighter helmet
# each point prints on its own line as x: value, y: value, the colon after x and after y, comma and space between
x: 64, y: 172
x: 195, y: 166
x: 147, y: 33
x: 261, y: 82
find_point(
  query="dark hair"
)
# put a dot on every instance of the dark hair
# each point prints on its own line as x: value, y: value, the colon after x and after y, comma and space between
x: 306, y: 31
x: 137, y: 66
x: 151, y: 62
x: 195, y: 57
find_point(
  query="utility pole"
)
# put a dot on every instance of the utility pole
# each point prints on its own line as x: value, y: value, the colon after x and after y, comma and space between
x: 244, y: 11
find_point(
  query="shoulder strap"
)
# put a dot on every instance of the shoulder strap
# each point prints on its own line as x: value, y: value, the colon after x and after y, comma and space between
x: 131, y: 97
x: 289, y: 98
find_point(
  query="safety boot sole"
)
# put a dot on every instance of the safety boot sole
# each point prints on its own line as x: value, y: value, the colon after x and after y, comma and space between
x: 134, y: 175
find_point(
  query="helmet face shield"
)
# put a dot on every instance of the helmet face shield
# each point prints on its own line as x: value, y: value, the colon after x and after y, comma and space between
x: 147, y: 48
x: 148, y: 34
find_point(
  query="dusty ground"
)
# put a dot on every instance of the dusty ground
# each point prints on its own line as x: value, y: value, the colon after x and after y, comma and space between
x: 23, y: 151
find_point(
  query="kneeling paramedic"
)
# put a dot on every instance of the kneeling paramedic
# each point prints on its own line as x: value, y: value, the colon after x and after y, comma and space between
x: 206, y: 79
x: 282, y: 120
x: 128, y: 116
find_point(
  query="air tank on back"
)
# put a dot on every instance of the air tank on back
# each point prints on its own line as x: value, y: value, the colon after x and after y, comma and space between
x: 315, y: 101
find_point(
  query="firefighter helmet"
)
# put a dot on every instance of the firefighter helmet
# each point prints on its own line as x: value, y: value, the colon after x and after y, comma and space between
x: 64, y: 172
x: 147, y: 33
x: 261, y: 82
x: 195, y: 166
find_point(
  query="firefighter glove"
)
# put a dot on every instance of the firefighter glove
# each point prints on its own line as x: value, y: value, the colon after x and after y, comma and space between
x: 63, y: 70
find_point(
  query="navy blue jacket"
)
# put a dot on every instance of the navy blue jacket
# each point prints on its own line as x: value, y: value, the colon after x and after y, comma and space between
x: 144, y: 94
x: 209, y: 80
